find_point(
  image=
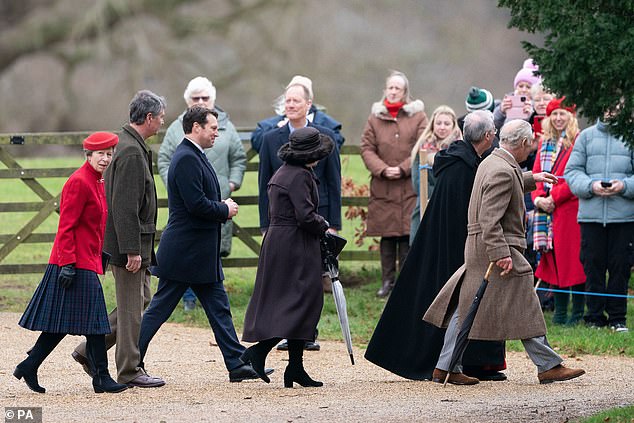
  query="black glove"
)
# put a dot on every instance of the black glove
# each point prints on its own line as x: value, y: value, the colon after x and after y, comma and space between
x: 66, y: 276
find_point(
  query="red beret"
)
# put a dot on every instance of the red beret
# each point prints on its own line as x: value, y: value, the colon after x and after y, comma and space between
x: 100, y: 141
x: 557, y: 103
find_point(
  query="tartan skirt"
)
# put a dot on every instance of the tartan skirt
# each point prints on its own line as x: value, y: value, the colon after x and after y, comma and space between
x: 77, y: 310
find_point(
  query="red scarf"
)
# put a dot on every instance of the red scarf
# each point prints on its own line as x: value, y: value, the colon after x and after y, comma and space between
x: 393, y: 108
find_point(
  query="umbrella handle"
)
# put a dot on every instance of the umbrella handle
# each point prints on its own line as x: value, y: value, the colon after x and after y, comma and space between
x: 489, y: 270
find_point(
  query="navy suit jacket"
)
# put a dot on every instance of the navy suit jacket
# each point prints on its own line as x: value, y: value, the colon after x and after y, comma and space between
x: 189, y: 250
x: 327, y: 171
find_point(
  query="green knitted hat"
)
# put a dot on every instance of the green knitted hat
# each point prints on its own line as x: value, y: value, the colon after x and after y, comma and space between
x: 479, y: 99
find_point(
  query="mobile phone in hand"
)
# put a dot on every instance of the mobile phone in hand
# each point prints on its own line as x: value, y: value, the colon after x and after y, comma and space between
x: 606, y: 184
x: 517, y: 108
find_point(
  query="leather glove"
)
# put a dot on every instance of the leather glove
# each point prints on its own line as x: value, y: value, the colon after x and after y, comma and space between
x: 66, y: 276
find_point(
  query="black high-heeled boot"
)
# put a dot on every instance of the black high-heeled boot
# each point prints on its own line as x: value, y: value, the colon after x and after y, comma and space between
x: 97, y: 355
x: 295, y: 370
x: 256, y: 356
x: 27, y: 369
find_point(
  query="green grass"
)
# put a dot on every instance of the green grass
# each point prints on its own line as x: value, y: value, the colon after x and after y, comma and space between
x: 615, y: 415
x: 361, y: 279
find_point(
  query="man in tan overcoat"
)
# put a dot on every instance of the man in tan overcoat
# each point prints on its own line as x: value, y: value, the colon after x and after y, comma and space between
x: 510, y: 308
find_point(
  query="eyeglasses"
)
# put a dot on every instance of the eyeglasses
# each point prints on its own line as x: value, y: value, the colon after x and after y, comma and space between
x: 494, y: 131
x: 202, y: 97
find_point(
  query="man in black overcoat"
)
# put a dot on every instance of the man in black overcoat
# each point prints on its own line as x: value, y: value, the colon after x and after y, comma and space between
x: 402, y: 342
x: 189, y: 251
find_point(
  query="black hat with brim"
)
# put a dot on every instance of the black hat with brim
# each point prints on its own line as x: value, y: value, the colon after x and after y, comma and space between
x: 306, y: 145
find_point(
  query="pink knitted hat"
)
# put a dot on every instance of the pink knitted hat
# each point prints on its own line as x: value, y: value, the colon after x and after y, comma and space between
x: 527, y: 74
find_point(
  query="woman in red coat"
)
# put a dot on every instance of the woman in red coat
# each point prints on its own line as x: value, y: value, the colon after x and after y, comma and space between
x: 69, y: 299
x: 556, y: 231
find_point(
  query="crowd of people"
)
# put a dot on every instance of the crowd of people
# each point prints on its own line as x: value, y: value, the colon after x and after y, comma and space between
x: 512, y: 182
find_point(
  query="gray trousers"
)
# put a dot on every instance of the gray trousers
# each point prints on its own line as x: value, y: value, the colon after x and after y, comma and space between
x: 133, y: 296
x: 537, y: 348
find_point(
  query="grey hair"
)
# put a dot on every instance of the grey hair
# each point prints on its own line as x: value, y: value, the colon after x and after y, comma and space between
x: 200, y: 83
x: 145, y: 102
x: 513, y: 133
x: 476, y: 125
x: 406, y: 94
x: 304, y: 90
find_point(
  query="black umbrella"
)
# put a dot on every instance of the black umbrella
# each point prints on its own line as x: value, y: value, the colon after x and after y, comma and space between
x: 331, y: 246
x: 463, y: 335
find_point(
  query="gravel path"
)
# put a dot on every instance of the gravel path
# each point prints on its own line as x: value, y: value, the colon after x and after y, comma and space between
x: 198, y: 390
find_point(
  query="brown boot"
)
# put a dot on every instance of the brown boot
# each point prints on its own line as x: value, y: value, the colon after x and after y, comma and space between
x: 454, y: 378
x: 385, y: 290
x: 559, y: 373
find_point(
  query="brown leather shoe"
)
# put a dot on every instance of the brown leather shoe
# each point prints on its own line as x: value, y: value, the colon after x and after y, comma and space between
x: 559, y: 373
x: 454, y: 378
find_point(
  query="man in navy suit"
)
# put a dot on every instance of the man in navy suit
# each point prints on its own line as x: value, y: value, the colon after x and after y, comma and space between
x: 189, y: 251
x: 327, y: 171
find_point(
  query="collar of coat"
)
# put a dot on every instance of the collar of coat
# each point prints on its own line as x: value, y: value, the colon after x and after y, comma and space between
x: 411, y: 108
x: 130, y: 130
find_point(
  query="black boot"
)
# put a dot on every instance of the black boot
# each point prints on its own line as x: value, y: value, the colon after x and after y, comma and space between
x: 98, y: 358
x: 27, y: 369
x: 578, y: 305
x: 560, y: 316
x: 295, y: 371
x: 256, y: 356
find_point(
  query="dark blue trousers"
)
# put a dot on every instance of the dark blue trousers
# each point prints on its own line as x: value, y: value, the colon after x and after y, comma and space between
x: 213, y: 298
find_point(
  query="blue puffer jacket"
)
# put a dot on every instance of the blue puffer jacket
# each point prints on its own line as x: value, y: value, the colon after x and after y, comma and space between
x: 598, y: 155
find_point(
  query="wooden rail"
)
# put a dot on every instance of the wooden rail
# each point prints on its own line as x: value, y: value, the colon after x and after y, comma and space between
x: 49, y: 202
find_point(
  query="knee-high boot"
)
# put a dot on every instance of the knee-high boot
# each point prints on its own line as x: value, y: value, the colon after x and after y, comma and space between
x: 295, y: 370
x: 578, y: 305
x: 256, y: 355
x: 560, y: 317
x: 27, y: 369
x: 387, y: 249
x: 98, y: 357
x: 403, y: 249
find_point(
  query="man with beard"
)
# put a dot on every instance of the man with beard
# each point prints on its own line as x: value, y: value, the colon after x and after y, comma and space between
x: 402, y: 342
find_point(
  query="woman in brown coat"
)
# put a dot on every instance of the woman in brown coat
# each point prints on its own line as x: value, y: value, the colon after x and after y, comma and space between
x: 288, y: 294
x: 394, y: 125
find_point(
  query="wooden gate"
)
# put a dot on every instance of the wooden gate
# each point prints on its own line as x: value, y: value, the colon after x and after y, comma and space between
x: 48, y: 204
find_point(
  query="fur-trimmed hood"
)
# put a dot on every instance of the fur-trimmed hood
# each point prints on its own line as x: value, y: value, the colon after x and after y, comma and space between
x: 411, y: 108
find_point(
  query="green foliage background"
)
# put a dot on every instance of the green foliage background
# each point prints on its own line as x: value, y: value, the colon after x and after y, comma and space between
x: 587, y: 55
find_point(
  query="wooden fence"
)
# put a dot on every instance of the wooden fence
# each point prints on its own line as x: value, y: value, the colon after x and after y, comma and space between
x: 49, y: 201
